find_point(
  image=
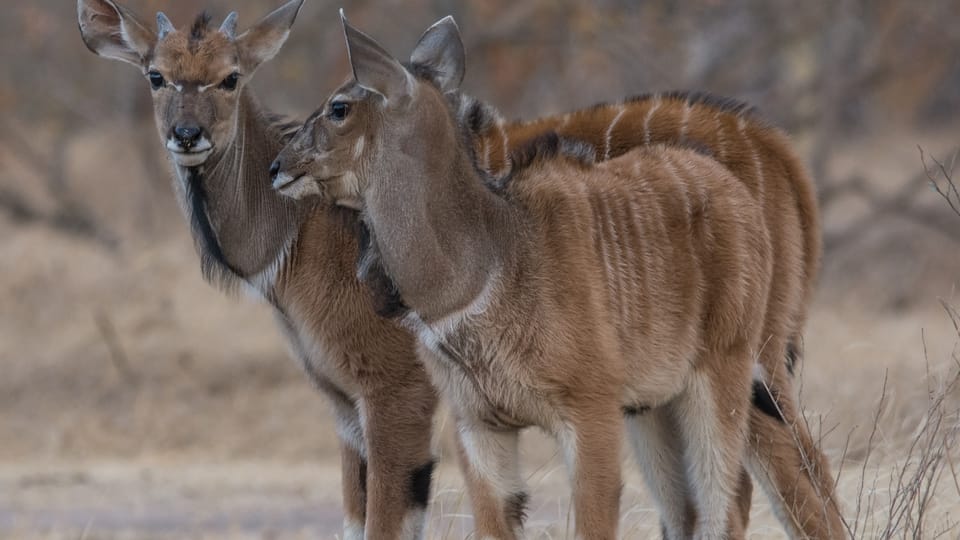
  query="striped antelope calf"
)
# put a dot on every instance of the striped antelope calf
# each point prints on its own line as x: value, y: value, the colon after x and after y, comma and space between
x: 300, y: 257
x: 639, y: 283
x: 783, y: 456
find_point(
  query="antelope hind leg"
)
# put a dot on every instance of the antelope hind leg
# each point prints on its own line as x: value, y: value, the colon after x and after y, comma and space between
x: 784, y: 459
x: 658, y: 450
x: 713, y: 414
x: 490, y: 464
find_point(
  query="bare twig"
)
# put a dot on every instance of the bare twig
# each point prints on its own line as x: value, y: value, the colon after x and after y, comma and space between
x: 118, y: 357
x: 949, y: 191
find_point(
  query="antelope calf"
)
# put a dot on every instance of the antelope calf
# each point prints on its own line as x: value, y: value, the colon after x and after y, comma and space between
x: 591, y: 292
x: 783, y: 456
x: 299, y: 256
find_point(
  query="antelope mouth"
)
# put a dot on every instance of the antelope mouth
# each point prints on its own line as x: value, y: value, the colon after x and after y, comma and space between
x: 296, y: 187
x: 192, y: 157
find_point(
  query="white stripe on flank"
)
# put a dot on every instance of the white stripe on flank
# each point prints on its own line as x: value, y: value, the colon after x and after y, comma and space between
x: 646, y: 120
x: 613, y: 124
x: 683, y: 121
x: 721, y: 143
x: 614, y: 263
x: 629, y: 259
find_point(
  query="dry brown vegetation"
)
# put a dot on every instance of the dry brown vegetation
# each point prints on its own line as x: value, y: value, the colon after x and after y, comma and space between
x: 137, y: 402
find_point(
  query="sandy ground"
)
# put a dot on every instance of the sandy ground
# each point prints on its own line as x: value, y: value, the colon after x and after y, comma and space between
x: 138, y: 402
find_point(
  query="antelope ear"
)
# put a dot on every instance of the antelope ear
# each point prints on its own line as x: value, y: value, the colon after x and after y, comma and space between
x: 264, y: 39
x: 373, y: 67
x: 441, y: 49
x: 113, y: 31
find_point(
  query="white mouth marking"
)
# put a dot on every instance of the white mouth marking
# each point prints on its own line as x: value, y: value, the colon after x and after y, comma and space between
x: 192, y: 158
x: 296, y: 188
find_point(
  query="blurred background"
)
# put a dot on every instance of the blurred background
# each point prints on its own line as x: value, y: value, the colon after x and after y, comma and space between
x: 138, y: 402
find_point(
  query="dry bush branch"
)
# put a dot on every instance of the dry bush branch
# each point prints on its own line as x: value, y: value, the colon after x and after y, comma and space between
x: 900, y: 204
x: 914, y: 483
x: 949, y: 191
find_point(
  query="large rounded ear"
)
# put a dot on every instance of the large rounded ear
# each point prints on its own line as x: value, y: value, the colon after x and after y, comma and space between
x: 373, y: 67
x: 263, y: 40
x: 113, y: 31
x: 441, y: 49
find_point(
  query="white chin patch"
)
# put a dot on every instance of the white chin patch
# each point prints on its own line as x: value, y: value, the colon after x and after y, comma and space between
x: 190, y: 159
x: 195, y: 157
x: 296, y: 188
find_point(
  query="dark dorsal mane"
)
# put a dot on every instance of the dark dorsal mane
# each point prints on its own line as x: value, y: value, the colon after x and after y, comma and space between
x: 474, y: 118
x: 549, y: 146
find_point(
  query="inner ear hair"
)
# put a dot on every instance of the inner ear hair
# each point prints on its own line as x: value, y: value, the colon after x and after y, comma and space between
x: 113, y: 31
x: 263, y: 40
x: 441, y: 51
x: 373, y: 67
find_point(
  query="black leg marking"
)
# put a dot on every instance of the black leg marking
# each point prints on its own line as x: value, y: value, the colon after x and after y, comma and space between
x: 420, y: 485
x: 515, y: 509
x: 634, y: 410
x: 764, y: 400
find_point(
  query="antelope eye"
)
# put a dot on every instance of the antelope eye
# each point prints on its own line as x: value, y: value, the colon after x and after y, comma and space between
x: 156, y: 79
x: 339, y: 110
x: 230, y: 83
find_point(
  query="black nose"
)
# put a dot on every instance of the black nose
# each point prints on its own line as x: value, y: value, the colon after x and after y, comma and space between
x: 274, y: 169
x: 187, y: 136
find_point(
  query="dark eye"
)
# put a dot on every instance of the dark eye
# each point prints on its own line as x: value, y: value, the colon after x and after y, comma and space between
x: 230, y: 83
x: 156, y: 79
x: 339, y: 110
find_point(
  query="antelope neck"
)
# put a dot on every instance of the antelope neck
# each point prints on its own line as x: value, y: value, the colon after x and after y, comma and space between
x: 441, y: 234
x: 240, y: 225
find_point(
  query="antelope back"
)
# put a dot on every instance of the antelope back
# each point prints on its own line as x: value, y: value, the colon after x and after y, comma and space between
x: 734, y: 134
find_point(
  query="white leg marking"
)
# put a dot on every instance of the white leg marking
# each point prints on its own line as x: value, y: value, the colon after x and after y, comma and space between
x: 413, y: 525
x: 352, y: 530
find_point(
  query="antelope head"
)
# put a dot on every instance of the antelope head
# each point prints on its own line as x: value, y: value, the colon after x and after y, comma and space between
x: 385, y: 119
x: 196, y: 74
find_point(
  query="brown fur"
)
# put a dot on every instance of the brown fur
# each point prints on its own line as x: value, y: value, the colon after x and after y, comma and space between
x: 638, y: 282
x: 301, y: 257
x: 796, y: 475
